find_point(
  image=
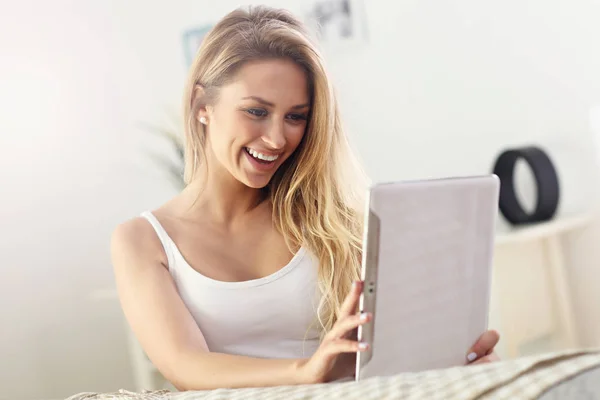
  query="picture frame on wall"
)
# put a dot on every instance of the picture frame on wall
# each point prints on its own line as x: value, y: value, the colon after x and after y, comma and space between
x: 337, y: 23
x: 192, y: 39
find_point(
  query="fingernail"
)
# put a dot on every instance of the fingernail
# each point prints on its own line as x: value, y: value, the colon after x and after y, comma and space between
x: 364, y: 316
x: 363, y: 346
x: 472, y: 356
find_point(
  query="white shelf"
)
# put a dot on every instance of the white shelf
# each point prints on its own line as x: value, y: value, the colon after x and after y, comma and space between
x: 546, y: 281
x: 536, y: 231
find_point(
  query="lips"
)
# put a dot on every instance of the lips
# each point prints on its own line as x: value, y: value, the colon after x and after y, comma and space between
x: 259, y: 165
x: 261, y: 157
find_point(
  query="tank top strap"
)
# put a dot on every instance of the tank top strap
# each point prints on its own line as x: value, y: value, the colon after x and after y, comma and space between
x: 164, y: 237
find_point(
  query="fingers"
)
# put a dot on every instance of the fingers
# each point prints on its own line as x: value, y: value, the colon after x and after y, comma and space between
x: 339, y: 346
x: 487, y: 359
x: 345, y: 325
x: 350, y: 303
x: 336, y: 340
x: 484, y: 346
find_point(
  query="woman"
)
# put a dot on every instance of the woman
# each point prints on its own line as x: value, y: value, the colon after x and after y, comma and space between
x: 249, y: 277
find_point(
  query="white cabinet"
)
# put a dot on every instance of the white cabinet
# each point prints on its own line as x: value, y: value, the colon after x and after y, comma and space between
x: 531, y: 299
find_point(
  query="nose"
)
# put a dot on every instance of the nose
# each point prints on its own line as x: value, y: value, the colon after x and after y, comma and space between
x: 275, y: 136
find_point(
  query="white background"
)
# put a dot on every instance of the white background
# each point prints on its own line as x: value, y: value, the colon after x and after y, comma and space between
x: 437, y: 89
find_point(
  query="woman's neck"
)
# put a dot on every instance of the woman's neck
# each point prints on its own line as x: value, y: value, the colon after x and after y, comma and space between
x: 223, y: 199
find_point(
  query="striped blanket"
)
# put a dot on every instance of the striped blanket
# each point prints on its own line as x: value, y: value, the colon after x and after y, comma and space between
x: 524, y: 378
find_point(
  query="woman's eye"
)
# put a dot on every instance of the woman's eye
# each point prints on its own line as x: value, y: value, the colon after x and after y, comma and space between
x: 297, y: 117
x: 257, y: 112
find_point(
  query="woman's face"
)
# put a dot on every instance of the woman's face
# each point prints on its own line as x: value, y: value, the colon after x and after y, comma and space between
x: 258, y: 120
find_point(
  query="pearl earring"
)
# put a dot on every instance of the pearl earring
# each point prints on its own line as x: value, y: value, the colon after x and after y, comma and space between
x: 203, y: 120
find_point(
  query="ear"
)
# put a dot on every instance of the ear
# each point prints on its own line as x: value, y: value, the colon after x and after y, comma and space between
x: 199, y: 103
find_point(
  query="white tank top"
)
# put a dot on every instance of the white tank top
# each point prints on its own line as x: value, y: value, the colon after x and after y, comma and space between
x: 270, y: 317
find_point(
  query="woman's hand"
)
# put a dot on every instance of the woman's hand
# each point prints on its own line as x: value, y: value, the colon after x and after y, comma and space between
x: 483, y: 350
x: 332, y: 360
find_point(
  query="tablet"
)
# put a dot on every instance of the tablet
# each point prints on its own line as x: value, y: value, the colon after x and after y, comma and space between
x: 426, y: 267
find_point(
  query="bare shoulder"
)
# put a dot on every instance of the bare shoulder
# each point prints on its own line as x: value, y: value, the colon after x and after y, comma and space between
x: 135, y: 242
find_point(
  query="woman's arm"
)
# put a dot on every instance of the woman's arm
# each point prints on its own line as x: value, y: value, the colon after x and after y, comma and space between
x: 165, y: 328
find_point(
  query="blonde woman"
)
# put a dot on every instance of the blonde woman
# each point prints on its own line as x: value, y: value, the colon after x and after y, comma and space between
x: 249, y: 277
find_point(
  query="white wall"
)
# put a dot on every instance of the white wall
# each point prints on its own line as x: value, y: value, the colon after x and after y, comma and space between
x: 71, y: 167
x: 439, y: 89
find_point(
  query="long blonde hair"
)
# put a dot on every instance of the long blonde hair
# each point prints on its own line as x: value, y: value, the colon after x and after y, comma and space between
x: 317, y: 195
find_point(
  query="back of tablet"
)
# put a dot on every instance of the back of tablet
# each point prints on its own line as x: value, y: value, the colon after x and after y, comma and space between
x: 427, y: 270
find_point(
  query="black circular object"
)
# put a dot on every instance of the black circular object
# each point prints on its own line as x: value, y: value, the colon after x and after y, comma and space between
x: 546, y: 181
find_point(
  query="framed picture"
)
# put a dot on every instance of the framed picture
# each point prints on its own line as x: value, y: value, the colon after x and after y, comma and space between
x: 192, y: 39
x: 337, y: 22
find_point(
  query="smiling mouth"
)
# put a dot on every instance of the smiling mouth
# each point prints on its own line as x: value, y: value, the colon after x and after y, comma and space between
x: 261, y: 158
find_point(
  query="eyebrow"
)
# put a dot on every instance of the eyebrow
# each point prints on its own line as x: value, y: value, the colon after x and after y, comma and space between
x: 269, y: 104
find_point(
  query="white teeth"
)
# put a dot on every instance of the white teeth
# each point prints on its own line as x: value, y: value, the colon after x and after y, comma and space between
x: 261, y: 156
